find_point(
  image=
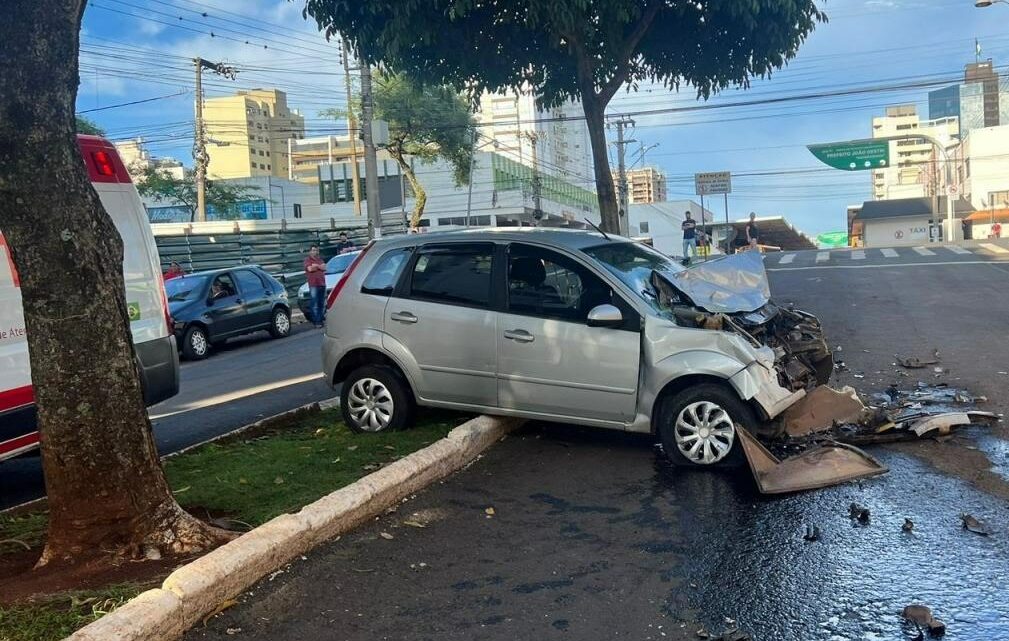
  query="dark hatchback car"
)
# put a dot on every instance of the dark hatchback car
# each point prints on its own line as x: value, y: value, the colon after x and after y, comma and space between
x: 212, y: 306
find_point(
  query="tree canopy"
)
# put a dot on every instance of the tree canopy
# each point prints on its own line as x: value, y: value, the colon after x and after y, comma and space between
x: 87, y: 126
x: 581, y: 49
x: 426, y: 121
x: 161, y: 186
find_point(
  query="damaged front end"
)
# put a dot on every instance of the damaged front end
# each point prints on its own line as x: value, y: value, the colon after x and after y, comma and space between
x: 732, y: 294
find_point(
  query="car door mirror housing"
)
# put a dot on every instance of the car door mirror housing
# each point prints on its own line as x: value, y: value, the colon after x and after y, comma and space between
x: 605, y: 316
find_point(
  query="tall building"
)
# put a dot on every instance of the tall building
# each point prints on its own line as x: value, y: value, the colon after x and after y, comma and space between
x: 981, y: 101
x: 914, y: 170
x: 247, y: 134
x: 512, y: 119
x: 645, y: 185
x: 138, y: 159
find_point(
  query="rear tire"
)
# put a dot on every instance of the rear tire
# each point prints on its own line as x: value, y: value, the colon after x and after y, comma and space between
x: 697, y: 426
x: 280, y: 323
x: 195, y: 345
x: 376, y: 398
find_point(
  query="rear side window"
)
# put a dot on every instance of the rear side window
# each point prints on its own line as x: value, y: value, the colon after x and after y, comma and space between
x: 249, y: 282
x: 455, y: 274
x: 384, y: 276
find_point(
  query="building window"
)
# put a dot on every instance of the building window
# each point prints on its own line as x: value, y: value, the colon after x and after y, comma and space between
x: 268, y: 167
x: 267, y: 153
x: 297, y: 210
x: 262, y: 166
x: 998, y: 199
x: 643, y: 226
x: 260, y: 152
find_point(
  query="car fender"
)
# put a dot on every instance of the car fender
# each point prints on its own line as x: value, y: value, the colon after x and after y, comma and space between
x: 376, y: 341
x: 698, y: 363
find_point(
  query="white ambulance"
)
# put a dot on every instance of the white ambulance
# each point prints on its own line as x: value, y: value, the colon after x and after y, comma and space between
x: 145, y: 300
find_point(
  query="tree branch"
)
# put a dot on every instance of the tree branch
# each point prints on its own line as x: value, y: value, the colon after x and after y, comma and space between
x: 611, y: 86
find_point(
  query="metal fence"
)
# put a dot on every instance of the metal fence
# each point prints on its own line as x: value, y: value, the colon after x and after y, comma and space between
x: 278, y: 248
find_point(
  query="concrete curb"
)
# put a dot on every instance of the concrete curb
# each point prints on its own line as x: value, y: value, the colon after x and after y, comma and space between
x: 195, y: 590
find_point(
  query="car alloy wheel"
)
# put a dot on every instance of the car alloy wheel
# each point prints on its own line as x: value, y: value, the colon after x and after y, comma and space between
x: 198, y: 341
x: 370, y: 405
x: 282, y: 323
x: 704, y: 432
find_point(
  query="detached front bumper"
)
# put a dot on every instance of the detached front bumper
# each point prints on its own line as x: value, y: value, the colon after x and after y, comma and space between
x: 759, y: 383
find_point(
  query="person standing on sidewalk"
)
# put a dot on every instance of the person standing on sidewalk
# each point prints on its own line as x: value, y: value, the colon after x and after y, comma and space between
x: 315, y: 273
x: 689, y: 229
x: 345, y: 245
x: 752, y: 233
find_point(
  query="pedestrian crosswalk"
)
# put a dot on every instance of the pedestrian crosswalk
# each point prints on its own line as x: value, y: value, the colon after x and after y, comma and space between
x: 872, y: 256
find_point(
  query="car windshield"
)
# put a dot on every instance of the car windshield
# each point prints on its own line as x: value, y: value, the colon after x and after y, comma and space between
x: 185, y: 288
x: 339, y: 264
x: 633, y: 264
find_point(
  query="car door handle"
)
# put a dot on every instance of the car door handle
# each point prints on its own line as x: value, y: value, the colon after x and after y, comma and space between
x: 404, y: 317
x: 519, y: 336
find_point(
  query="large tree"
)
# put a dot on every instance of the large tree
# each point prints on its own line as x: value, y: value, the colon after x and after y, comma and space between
x: 87, y: 126
x: 426, y: 121
x: 107, y: 492
x: 161, y: 186
x: 575, y: 49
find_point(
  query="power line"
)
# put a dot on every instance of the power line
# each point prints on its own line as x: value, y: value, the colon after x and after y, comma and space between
x: 133, y: 102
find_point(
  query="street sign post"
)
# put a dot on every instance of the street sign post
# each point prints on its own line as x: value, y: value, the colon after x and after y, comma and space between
x: 854, y: 155
x: 713, y: 182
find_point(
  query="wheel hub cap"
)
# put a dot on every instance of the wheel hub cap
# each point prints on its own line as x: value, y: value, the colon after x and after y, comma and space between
x: 370, y: 405
x: 704, y: 432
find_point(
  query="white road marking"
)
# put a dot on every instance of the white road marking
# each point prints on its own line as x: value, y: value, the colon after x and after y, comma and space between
x: 889, y: 253
x: 786, y: 259
x: 924, y: 251
x: 958, y: 250
x: 858, y: 254
x: 236, y: 395
x: 889, y: 265
x: 995, y: 249
x: 821, y: 257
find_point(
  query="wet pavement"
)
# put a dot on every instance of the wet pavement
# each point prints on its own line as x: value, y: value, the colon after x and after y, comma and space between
x: 594, y: 536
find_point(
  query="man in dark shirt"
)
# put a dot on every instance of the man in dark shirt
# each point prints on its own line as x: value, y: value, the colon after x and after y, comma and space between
x: 315, y: 273
x: 689, y: 229
x: 752, y: 233
x: 345, y: 245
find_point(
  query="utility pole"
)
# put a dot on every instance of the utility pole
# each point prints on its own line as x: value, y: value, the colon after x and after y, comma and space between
x: 200, y: 156
x: 472, y: 160
x: 624, y: 201
x: 370, y: 158
x: 537, y: 183
x: 352, y: 125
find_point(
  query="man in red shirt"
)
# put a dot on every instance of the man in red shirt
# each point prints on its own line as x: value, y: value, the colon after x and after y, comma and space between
x: 174, y: 271
x: 315, y: 272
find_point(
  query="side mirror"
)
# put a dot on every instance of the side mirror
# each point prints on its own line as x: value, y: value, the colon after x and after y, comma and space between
x: 605, y: 316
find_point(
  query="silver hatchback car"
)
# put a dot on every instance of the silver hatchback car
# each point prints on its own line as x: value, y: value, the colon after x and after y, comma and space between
x: 568, y: 326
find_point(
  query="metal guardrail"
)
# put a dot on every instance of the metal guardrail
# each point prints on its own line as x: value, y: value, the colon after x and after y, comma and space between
x: 278, y: 249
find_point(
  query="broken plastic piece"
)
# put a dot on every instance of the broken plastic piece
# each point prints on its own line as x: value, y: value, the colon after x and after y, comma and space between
x: 859, y: 513
x: 820, y: 409
x: 921, y: 616
x: 973, y: 525
x: 812, y: 533
x: 908, y: 525
x: 815, y: 468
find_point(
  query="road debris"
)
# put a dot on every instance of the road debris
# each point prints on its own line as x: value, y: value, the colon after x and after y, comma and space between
x: 921, y: 616
x: 971, y: 524
x: 914, y: 362
x: 386, y: 536
x: 812, y: 533
x: 908, y: 525
x: 859, y: 513
x: 821, y: 408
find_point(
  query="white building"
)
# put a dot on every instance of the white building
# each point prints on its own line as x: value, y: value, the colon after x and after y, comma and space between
x: 138, y: 159
x: 913, y: 170
x: 661, y: 222
x: 513, y: 119
x: 983, y: 167
x: 269, y: 198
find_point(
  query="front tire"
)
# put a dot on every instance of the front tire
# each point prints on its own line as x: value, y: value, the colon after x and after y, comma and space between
x: 195, y: 345
x: 697, y: 426
x: 280, y: 324
x: 375, y: 398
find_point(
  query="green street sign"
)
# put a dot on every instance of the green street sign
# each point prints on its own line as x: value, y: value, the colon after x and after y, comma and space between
x: 832, y: 239
x: 133, y: 311
x: 854, y: 155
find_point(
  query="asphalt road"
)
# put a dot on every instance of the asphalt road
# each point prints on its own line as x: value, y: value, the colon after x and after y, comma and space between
x: 247, y: 379
x: 594, y: 536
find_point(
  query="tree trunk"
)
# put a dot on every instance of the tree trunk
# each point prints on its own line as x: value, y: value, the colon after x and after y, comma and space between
x: 606, y: 194
x: 419, y: 194
x: 107, y: 492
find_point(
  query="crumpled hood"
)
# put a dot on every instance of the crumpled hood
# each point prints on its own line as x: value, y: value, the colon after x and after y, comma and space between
x: 736, y: 283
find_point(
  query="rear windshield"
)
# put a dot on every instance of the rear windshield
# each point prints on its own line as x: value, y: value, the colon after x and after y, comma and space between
x: 185, y: 288
x: 339, y: 264
x: 633, y: 264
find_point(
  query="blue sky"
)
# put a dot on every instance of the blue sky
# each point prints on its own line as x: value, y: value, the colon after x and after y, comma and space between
x: 136, y: 50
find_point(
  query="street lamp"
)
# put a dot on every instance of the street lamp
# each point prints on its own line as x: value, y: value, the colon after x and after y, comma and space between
x: 981, y: 4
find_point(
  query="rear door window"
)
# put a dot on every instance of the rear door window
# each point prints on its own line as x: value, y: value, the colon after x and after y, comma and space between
x: 456, y: 274
x: 385, y: 274
x: 249, y: 282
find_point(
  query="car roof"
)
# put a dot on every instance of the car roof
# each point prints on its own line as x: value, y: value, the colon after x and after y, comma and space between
x: 221, y: 270
x: 567, y: 238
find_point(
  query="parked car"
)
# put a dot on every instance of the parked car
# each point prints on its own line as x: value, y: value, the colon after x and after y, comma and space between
x: 569, y: 326
x: 335, y: 268
x: 157, y: 356
x: 212, y: 306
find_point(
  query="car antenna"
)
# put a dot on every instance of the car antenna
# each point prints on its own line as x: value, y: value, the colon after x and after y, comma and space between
x: 596, y: 227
